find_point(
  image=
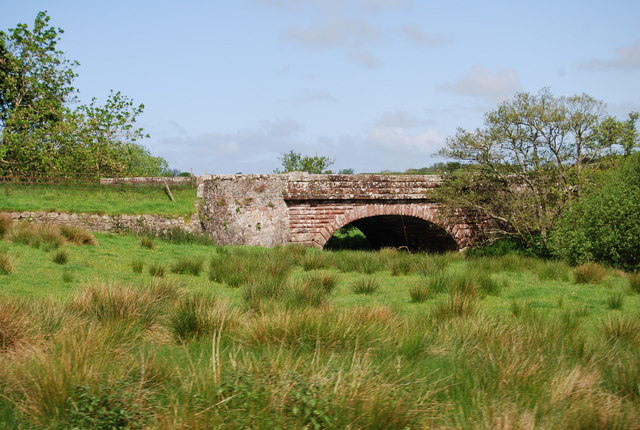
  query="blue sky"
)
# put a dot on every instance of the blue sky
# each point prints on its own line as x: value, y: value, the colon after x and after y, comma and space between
x: 228, y: 85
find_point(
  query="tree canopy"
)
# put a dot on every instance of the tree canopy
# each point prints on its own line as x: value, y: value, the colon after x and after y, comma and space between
x: 535, y: 155
x: 41, y: 134
x: 296, y: 162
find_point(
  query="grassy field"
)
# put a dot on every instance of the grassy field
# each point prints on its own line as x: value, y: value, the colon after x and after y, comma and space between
x: 140, y: 333
x: 101, y: 199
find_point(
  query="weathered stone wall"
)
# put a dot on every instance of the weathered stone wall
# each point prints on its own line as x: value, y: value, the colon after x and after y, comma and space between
x: 150, y: 180
x: 153, y: 224
x: 245, y: 209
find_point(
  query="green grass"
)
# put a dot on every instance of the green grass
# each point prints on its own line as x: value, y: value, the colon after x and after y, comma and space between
x: 444, y: 342
x: 94, y: 198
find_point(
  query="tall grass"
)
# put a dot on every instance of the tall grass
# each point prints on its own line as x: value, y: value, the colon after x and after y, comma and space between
x: 7, y: 263
x: 589, y: 273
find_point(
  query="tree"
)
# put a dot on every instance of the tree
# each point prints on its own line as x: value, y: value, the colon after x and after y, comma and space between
x: 295, y: 162
x: 604, y: 225
x: 534, y: 156
x: 41, y: 134
x: 624, y: 134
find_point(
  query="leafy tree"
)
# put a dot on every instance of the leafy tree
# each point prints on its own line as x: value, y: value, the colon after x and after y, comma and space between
x: 604, y: 225
x: 624, y: 134
x: 41, y: 134
x: 346, y: 171
x: 535, y: 154
x: 295, y: 162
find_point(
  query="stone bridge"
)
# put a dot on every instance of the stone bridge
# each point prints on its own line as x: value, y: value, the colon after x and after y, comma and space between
x: 391, y: 210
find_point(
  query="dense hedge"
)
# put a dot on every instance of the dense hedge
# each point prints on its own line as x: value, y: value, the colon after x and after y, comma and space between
x: 605, y: 226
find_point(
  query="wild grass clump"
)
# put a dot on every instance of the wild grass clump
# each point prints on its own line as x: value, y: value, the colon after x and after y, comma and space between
x: 61, y: 257
x: 589, y: 273
x: 434, y: 264
x: 37, y: 235
x: 67, y: 276
x: 326, y: 281
x: 17, y: 328
x: 147, y: 242
x: 357, y: 261
x: 5, y: 224
x: 622, y: 328
x: 552, y: 269
x: 634, y: 282
x: 314, y: 260
x: 157, y: 270
x: 420, y: 292
x: 615, y: 300
x: 7, y: 263
x: 197, y: 315
x: 112, y: 302
x: 188, y: 265
x: 458, y: 304
x: 305, y: 294
x: 78, y: 236
x: 365, y: 285
x: 137, y: 266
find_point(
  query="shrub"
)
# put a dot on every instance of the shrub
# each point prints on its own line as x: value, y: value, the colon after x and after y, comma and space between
x: 603, y: 226
x: 78, y: 236
x: 365, y: 285
x: 157, y: 270
x: 589, y: 273
x: 147, y: 242
x: 188, y: 265
x: 61, y: 257
x: 6, y: 263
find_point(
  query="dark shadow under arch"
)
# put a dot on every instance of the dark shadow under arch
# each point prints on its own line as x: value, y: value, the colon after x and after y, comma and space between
x: 400, y: 231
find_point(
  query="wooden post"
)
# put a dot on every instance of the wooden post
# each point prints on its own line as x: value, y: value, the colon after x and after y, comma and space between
x: 166, y: 187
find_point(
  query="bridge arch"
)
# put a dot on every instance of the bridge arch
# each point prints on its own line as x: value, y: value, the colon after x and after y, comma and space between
x: 416, y: 226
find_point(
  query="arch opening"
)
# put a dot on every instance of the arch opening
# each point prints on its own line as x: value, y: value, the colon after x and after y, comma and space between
x: 393, y: 231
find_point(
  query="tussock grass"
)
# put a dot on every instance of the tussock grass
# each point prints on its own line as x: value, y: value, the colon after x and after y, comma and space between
x: 616, y: 300
x: 555, y: 270
x: 197, y: 315
x: 37, y: 235
x: 6, y: 223
x: 188, y: 265
x: 61, y: 257
x: 157, y: 270
x: 634, y: 282
x: 147, y: 242
x: 365, y: 285
x: 78, y: 236
x: 420, y: 292
x: 137, y: 266
x: 589, y: 273
x: 7, y: 263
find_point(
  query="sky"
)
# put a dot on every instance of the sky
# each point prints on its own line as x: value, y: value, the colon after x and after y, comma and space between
x: 230, y: 85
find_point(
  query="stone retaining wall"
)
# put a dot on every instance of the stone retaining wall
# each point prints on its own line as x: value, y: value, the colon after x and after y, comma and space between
x: 152, y: 224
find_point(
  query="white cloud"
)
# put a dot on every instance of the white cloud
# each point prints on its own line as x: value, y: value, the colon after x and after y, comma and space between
x: 415, y: 34
x: 402, y: 119
x: 386, y: 4
x: 491, y: 87
x: 401, y: 140
x: 366, y: 59
x: 334, y: 32
x: 626, y: 58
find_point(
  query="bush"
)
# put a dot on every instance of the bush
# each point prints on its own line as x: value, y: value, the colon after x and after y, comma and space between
x: 604, y: 226
x: 589, y: 273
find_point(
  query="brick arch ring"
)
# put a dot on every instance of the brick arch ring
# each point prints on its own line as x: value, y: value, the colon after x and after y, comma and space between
x: 426, y: 213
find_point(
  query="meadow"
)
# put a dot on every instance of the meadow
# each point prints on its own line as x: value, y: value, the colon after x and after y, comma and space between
x: 118, y: 331
x: 100, y: 199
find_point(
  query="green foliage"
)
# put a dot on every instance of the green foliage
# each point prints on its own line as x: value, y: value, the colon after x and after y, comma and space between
x: 105, y: 407
x: 41, y: 135
x: 348, y: 237
x: 534, y: 156
x: 604, y: 226
x: 295, y: 162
